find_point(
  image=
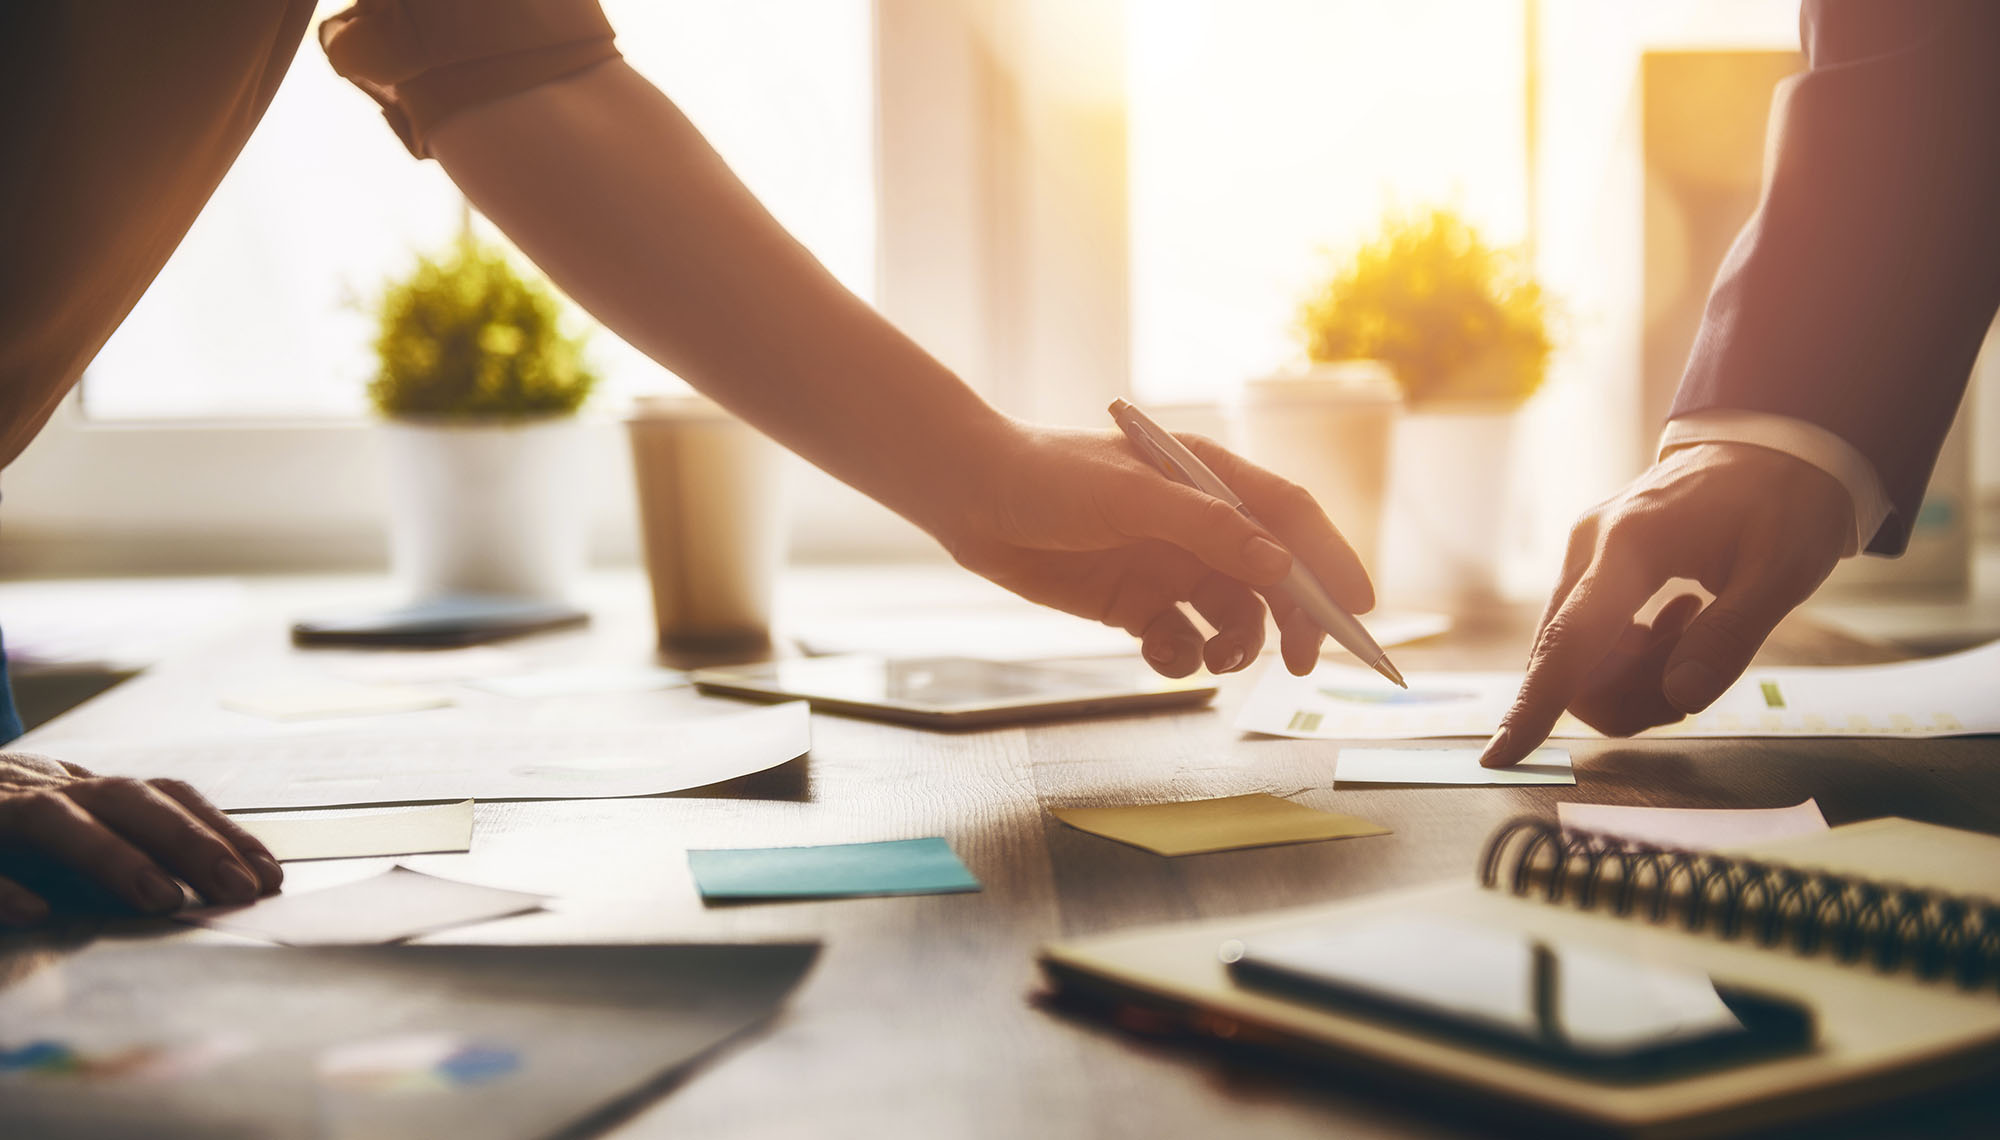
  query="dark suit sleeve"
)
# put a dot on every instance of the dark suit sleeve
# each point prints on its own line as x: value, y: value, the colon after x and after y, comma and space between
x: 1857, y: 296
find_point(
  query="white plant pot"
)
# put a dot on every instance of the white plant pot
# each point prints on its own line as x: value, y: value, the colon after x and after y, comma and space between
x: 485, y: 507
x: 1450, y: 475
x: 1328, y: 428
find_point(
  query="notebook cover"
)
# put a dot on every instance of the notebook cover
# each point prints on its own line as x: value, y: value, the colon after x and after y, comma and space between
x: 1879, y: 1036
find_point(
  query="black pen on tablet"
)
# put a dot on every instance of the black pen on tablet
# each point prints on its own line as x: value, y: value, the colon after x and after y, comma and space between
x: 1176, y: 462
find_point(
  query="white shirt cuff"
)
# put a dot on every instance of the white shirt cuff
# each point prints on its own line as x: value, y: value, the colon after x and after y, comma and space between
x: 1801, y: 440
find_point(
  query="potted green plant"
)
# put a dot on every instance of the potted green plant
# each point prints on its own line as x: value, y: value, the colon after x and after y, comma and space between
x: 1466, y: 332
x: 478, y: 386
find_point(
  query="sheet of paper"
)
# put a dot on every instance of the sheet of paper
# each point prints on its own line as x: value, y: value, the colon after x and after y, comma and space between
x: 312, y: 700
x: 425, y: 830
x: 522, y: 762
x: 1955, y: 695
x: 427, y: 666
x: 840, y: 870
x: 583, y: 680
x: 1256, y: 820
x: 1695, y: 829
x: 397, y: 904
x: 1447, y: 766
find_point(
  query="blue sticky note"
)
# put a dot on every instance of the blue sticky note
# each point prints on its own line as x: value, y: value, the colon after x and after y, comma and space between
x: 898, y: 867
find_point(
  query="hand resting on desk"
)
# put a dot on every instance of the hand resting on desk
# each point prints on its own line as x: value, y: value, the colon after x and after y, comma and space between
x: 132, y: 838
x: 1759, y: 529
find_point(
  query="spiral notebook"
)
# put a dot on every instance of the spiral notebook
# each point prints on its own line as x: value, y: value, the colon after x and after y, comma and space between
x: 1883, y: 928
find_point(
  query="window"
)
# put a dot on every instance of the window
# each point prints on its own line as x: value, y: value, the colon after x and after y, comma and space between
x: 260, y: 312
x: 1265, y: 133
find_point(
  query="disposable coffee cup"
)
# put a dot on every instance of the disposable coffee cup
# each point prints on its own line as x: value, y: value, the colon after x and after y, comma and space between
x: 711, y: 521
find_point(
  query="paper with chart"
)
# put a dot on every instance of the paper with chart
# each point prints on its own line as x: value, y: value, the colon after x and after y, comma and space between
x: 518, y: 762
x: 1954, y: 695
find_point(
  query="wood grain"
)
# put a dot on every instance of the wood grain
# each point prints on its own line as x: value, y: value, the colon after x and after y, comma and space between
x: 921, y: 1018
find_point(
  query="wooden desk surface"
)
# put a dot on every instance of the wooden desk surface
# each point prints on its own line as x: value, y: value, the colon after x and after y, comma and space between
x: 918, y: 1020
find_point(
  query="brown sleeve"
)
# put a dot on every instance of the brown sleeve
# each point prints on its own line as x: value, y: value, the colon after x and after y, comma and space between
x: 426, y: 60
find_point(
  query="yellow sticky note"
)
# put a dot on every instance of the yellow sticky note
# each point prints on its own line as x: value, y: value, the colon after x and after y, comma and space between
x: 1256, y: 820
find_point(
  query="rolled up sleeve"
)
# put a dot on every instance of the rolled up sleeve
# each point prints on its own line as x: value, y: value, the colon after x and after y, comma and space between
x: 426, y: 60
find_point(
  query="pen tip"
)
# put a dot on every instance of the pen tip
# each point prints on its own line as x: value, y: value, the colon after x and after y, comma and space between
x: 1388, y: 669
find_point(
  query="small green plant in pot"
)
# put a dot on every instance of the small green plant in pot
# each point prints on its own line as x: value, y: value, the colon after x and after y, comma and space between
x: 1458, y: 321
x: 1465, y: 330
x: 479, y: 382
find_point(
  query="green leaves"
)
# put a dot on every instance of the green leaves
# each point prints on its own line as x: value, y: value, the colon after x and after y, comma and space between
x: 467, y: 337
x: 1455, y: 318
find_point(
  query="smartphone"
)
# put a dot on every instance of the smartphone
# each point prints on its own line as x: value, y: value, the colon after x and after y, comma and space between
x: 466, y: 619
x: 1581, y: 1008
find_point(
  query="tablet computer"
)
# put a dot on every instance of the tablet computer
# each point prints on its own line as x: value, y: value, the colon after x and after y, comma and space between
x: 956, y: 692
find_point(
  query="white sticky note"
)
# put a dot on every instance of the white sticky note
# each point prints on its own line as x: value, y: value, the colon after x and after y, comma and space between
x: 1447, y: 766
x: 312, y: 700
x: 426, y: 830
x: 583, y: 680
x: 389, y: 907
x: 1695, y: 829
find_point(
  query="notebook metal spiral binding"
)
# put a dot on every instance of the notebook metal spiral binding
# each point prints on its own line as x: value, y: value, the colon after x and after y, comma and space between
x: 1892, y: 926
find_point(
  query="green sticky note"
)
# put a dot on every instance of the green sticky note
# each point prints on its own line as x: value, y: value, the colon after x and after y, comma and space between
x: 840, y: 870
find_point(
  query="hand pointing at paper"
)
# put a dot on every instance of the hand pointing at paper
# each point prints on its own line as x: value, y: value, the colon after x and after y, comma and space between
x: 1757, y: 528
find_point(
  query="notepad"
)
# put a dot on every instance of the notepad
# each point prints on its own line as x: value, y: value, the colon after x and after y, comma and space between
x: 841, y: 870
x: 1695, y: 829
x: 1195, y: 826
x: 389, y: 907
x: 1447, y: 766
x: 424, y: 830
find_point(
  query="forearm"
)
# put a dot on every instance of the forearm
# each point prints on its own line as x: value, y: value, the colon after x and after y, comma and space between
x: 607, y: 186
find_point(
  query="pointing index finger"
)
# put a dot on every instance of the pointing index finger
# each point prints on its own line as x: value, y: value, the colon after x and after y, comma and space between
x: 1576, y: 637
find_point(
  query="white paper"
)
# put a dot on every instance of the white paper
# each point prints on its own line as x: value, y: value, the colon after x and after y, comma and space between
x: 314, y: 700
x: 583, y: 680
x: 523, y: 762
x: 427, y: 830
x: 1955, y: 695
x: 1447, y: 766
x: 1694, y: 829
x: 389, y: 907
x: 427, y: 666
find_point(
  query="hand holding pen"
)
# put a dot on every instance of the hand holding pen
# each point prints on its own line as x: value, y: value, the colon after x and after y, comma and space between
x: 1301, y: 588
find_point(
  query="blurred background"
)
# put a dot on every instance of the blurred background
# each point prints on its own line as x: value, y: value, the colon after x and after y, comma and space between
x: 1066, y: 201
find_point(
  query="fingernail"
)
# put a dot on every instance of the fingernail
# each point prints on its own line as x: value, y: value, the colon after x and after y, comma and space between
x: 1691, y: 685
x: 268, y: 870
x: 1160, y: 653
x: 157, y: 893
x: 1266, y: 559
x: 22, y: 910
x: 1495, y: 748
x: 233, y: 884
x: 1230, y: 660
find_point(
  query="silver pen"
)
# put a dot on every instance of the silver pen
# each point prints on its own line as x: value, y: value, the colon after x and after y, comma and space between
x: 1176, y: 462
